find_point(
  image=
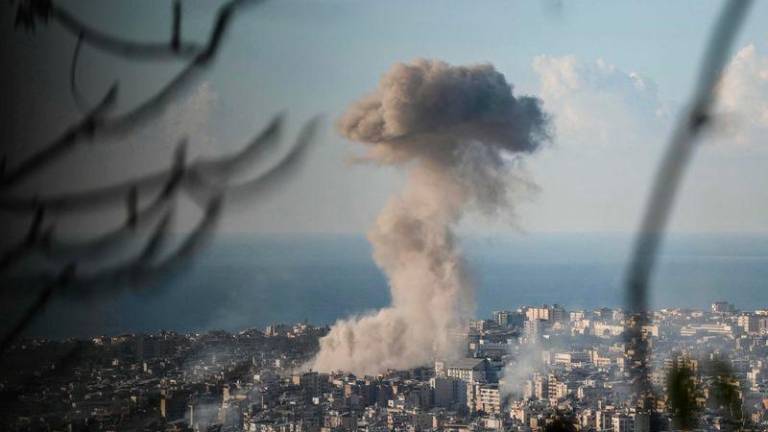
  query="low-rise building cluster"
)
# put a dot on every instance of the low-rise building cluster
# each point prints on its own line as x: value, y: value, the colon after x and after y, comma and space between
x: 536, y: 368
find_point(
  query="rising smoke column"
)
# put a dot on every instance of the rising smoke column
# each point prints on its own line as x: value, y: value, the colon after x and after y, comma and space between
x: 456, y: 130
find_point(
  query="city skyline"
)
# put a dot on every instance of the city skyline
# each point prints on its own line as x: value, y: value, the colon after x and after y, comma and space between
x: 520, y: 370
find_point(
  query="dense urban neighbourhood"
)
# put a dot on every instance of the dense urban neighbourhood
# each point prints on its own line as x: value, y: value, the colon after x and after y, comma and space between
x: 530, y: 369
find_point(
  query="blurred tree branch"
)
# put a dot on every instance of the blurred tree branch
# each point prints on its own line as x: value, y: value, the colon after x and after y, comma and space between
x: 665, y: 186
x: 208, y: 182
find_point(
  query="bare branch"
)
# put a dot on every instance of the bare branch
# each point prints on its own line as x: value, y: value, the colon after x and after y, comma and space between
x: 157, y: 241
x: 39, y: 304
x: 235, y: 163
x: 196, y: 182
x: 150, y: 50
x: 34, y: 227
x: 141, y: 271
x: 206, y: 180
x: 129, y: 121
x: 77, y: 96
x: 103, y: 245
x: 65, y: 280
x: 176, y: 32
x: 61, y: 145
x: 278, y: 173
x: 132, y: 205
x: 99, y: 246
x: 121, y: 47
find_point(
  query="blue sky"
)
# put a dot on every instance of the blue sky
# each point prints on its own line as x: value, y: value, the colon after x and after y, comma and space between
x: 613, y: 75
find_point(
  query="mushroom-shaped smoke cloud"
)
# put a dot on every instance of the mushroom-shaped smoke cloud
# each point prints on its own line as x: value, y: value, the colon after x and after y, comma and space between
x: 457, y: 131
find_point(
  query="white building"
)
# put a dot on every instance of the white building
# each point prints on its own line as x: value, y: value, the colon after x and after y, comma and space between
x: 471, y: 370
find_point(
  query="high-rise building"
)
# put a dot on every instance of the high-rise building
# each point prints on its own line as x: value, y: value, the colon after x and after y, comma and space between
x: 540, y: 387
x: 722, y: 307
x: 554, y: 313
x: 534, y: 329
x: 749, y: 323
x: 536, y: 388
x: 487, y: 399
x: 623, y: 423
x: 558, y: 314
x: 762, y: 325
x: 603, y: 419
x: 538, y: 313
x: 480, y: 325
x: 467, y: 369
x: 502, y: 318
x: 507, y: 318
x: 556, y: 389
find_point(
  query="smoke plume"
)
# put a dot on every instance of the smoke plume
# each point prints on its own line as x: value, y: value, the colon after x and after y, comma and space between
x: 527, y: 359
x: 457, y: 131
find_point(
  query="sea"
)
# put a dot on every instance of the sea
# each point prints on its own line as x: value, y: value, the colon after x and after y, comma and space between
x: 246, y: 281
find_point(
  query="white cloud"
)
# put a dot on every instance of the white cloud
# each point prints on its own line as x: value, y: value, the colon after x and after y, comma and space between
x: 610, y: 128
x: 743, y: 98
x: 597, y: 102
